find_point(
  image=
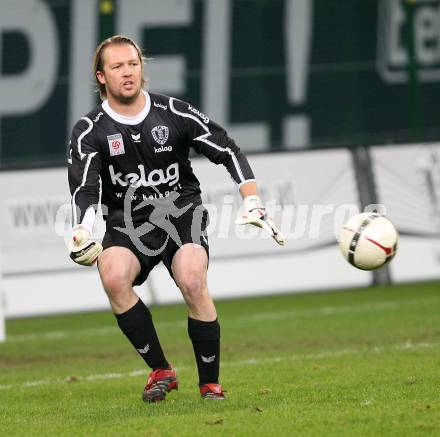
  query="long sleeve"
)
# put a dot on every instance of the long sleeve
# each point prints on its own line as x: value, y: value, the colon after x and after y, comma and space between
x: 84, y: 173
x: 210, y: 139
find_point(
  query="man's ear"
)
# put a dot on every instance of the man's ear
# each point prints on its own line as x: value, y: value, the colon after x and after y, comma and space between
x: 100, y: 76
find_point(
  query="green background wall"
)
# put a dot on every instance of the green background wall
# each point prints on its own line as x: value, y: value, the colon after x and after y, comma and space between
x: 370, y: 70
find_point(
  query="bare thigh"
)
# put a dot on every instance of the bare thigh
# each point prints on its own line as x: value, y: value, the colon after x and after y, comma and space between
x: 190, y: 266
x: 118, y: 268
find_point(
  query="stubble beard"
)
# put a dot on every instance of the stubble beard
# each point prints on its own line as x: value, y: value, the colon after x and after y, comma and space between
x: 125, y: 100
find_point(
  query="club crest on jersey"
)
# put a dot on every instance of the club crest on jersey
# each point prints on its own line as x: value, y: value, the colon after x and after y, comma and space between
x: 115, y: 144
x: 160, y: 134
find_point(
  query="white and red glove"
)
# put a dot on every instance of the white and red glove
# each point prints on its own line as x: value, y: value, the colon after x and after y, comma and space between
x: 255, y: 214
x: 83, y: 250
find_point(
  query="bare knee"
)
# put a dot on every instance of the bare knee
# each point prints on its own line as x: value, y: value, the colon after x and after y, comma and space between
x: 189, y: 270
x: 118, y: 268
x: 192, y: 285
x: 115, y: 282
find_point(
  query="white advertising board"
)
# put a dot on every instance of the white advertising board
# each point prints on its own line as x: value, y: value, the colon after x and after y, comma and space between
x: 309, y: 194
x: 38, y: 275
x: 408, y: 183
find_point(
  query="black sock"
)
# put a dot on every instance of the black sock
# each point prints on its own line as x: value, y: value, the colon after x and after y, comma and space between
x: 205, y: 337
x: 137, y: 325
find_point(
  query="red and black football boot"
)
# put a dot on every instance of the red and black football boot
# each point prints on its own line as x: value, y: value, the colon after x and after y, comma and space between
x: 160, y: 382
x: 212, y: 391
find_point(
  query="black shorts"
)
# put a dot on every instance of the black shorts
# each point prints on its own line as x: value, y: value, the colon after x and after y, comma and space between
x: 160, y: 241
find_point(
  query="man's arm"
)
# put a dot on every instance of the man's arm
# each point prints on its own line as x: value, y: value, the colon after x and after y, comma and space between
x: 211, y: 140
x: 249, y: 189
x: 83, y: 174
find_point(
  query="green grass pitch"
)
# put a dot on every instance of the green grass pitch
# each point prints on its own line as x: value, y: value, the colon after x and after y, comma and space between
x: 361, y: 362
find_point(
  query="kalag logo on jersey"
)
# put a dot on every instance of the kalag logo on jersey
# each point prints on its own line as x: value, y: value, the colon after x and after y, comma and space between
x: 160, y: 134
x: 204, y: 117
x: 136, y: 138
x: 96, y: 119
x: 115, y: 144
x: 159, y: 105
x: 156, y: 177
x: 163, y: 149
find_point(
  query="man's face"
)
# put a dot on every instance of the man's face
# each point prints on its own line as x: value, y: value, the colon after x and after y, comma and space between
x: 122, y: 72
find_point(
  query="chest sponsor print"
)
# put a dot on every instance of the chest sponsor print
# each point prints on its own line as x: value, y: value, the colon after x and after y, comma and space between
x: 158, y: 176
x: 163, y: 149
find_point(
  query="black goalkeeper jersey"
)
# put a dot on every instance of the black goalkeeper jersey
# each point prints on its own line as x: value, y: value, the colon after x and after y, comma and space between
x: 144, y: 158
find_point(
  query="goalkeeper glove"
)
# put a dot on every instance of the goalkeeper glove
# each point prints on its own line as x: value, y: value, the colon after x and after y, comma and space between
x: 255, y: 214
x: 83, y: 250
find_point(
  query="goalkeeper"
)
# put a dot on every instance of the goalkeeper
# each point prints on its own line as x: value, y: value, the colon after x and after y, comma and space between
x: 133, y: 151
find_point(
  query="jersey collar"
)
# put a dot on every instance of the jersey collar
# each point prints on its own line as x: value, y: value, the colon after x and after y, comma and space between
x: 136, y: 119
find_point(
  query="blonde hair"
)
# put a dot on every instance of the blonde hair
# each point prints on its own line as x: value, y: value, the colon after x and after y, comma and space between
x: 98, y: 63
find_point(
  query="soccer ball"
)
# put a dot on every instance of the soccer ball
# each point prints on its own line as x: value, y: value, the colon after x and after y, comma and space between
x: 368, y: 241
